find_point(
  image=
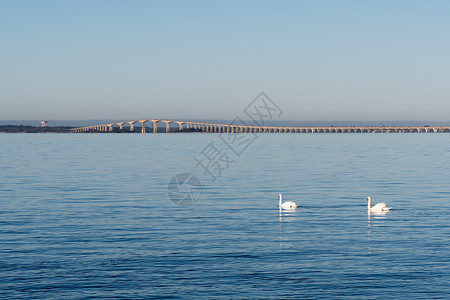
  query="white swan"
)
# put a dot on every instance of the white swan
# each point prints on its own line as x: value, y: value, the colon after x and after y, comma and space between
x: 287, y: 204
x: 377, y: 208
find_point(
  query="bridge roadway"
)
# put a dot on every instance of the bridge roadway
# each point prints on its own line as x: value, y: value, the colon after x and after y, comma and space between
x: 237, y: 128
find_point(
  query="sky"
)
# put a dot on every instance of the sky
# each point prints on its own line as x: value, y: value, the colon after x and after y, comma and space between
x: 317, y: 60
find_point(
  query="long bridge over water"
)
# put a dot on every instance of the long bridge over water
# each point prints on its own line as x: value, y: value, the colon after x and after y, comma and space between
x: 242, y: 128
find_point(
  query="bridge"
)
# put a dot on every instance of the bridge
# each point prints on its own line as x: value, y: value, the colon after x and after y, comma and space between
x: 186, y: 126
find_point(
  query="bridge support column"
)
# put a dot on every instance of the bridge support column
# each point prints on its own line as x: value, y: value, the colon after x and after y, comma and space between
x: 155, y: 127
x: 143, y: 126
x: 167, y: 127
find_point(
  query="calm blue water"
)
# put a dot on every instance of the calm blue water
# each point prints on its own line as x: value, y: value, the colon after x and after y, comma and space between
x: 88, y: 216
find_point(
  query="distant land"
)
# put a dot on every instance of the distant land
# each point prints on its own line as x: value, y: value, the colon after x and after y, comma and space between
x: 33, y: 129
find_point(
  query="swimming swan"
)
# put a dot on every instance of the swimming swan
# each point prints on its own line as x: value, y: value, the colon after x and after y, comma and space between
x: 378, y: 208
x: 287, y: 204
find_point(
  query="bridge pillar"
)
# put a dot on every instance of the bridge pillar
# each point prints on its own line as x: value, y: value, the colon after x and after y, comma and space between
x: 167, y: 126
x: 143, y: 126
x: 131, y: 125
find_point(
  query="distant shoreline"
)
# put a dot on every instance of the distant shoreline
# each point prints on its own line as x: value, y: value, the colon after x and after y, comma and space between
x: 34, y: 129
x: 238, y: 129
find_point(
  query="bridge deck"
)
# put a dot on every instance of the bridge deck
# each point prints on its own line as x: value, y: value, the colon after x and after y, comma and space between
x: 188, y: 126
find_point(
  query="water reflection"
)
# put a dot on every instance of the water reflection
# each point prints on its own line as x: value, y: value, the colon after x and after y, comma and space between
x: 375, y: 220
x: 286, y: 215
x: 286, y: 238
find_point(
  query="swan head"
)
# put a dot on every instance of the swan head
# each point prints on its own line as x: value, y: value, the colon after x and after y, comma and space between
x: 369, y: 198
x: 279, y: 195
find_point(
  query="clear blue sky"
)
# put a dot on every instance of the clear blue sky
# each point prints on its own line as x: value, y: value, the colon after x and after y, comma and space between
x: 319, y: 60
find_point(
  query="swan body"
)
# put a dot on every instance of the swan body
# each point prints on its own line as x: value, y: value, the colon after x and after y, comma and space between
x: 377, y: 208
x: 287, y: 204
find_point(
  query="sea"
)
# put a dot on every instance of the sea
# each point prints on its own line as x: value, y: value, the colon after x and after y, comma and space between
x: 195, y: 216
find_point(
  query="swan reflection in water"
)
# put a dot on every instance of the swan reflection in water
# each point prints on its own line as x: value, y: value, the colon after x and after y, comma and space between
x: 286, y: 215
x: 378, y: 218
x: 288, y: 236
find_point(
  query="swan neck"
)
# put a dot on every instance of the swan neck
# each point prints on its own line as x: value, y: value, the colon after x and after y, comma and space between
x: 368, y: 203
x: 281, y: 200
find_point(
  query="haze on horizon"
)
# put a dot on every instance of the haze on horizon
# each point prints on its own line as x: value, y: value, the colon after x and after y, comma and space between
x: 318, y: 60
